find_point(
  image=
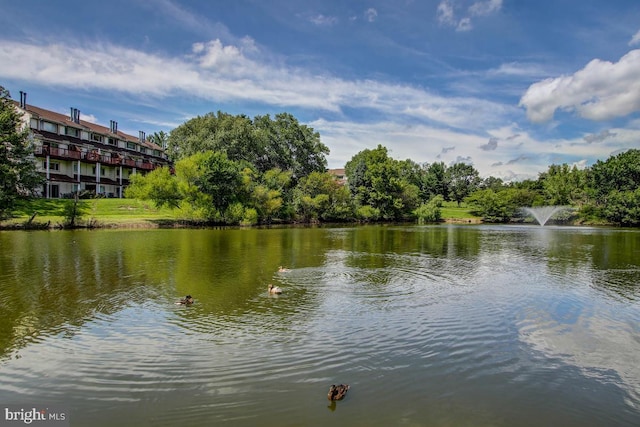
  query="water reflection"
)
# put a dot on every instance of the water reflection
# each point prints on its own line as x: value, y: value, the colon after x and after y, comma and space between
x: 431, y: 325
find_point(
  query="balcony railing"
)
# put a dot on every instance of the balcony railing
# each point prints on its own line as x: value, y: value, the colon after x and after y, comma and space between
x: 94, y: 157
x: 60, y: 153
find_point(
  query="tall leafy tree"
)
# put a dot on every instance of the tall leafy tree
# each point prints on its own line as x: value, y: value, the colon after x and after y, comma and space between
x: 158, y: 185
x: 563, y: 185
x: 435, y: 181
x: 265, y: 143
x: 289, y: 145
x: 18, y: 176
x: 620, y: 172
x: 221, y: 179
x: 464, y: 179
x: 376, y: 183
x: 320, y: 196
x: 159, y: 138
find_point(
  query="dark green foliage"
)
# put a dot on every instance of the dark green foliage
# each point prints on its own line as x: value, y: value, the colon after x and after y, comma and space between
x: 430, y: 211
x: 377, y: 181
x: 319, y: 196
x: 563, y: 186
x: 463, y: 180
x: 265, y: 143
x: 501, y: 205
x: 74, y: 210
x: 220, y: 179
x: 617, y: 173
x: 623, y: 207
x: 435, y: 181
x: 18, y: 176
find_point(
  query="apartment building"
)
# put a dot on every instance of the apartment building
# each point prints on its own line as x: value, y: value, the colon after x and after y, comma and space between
x: 77, y: 155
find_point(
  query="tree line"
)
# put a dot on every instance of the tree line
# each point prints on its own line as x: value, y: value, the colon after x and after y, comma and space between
x: 237, y: 170
x: 233, y: 169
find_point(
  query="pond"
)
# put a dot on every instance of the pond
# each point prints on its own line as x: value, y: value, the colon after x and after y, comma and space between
x: 439, y: 325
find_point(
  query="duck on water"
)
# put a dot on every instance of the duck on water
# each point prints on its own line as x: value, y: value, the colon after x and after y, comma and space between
x: 188, y: 300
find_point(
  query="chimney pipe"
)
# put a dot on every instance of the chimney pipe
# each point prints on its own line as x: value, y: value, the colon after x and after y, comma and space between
x: 23, y: 100
x: 141, y: 136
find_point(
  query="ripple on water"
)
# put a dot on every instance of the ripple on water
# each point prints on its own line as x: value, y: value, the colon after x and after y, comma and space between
x: 407, y: 331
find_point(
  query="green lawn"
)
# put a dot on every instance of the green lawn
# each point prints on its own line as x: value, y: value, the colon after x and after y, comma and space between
x: 132, y: 212
x: 450, y: 210
x: 103, y: 211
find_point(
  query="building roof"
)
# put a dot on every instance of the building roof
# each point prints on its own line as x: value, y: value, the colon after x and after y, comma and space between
x: 66, y: 120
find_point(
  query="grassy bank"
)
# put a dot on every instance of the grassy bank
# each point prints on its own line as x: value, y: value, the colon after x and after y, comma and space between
x: 138, y: 213
x: 98, y: 212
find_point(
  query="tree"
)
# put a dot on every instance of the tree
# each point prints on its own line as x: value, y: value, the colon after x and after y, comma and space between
x: 374, y: 180
x: 158, y: 185
x: 263, y: 142
x: 464, y: 180
x: 563, y: 185
x: 620, y: 173
x: 623, y: 207
x: 220, y: 179
x: 320, y: 196
x: 18, y: 176
x: 430, y: 211
x: 435, y: 181
x: 288, y: 145
x: 159, y: 138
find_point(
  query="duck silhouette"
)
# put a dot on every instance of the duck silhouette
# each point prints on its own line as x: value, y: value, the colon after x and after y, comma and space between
x: 337, y: 392
x: 274, y: 289
x: 188, y: 300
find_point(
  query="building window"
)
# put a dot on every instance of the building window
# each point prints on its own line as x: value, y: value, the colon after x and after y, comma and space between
x: 50, y: 127
x: 102, y: 172
x: 55, y: 191
x: 93, y: 170
x: 33, y: 123
x: 75, y: 167
x: 84, y: 134
x: 76, y: 188
x: 96, y: 137
x: 72, y: 131
x: 52, y: 166
x: 143, y: 150
x: 131, y: 145
x: 113, y: 141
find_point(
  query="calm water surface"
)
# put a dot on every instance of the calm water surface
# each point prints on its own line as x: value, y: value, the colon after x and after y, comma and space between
x: 431, y: 326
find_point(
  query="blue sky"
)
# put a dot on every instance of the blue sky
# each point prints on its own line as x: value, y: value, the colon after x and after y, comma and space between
x: 509, y: 86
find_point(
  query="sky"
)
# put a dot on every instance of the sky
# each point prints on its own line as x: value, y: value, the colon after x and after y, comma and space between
x: 509, y: 86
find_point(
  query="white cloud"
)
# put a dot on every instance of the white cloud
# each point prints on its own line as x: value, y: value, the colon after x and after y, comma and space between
x: 601, y: 90
x: 218, y: 72
x: 635, y: 40
x: 445, y: 13
x: 464, y: 25
x: 484, y: 8
x: 517, y: 69
x: 371, y: 14
x: 323, y: 21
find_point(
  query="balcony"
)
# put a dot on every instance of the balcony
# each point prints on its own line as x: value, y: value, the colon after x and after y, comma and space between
x: 145, y: 165
x: 58, y: 153
x: 112, y: 159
